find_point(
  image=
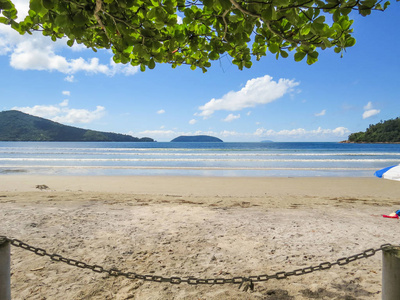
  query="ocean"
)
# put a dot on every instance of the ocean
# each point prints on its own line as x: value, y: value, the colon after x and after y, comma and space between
x: 197, y: 159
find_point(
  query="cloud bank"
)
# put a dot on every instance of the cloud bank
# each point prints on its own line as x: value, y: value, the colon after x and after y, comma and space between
x: 63, y: 114
x: 299, y: 134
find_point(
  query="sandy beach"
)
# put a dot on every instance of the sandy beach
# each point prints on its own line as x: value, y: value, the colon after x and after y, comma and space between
x: 205, y: 227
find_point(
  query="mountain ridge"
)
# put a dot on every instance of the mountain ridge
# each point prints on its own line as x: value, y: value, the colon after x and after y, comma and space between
x: 18, y: 126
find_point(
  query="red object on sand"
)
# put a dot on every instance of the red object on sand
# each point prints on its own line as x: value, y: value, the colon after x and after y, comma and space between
x: 392, y: 217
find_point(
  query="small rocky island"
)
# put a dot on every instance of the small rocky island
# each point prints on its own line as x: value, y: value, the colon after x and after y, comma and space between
x: 197, y: 138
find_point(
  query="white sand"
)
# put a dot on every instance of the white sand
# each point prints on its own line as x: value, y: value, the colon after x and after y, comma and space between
x: 201, y: 227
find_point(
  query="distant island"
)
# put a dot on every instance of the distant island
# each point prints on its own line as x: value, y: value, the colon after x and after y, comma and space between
x: 196, y: 138
x: 19, y: 126
x: 382, y: 132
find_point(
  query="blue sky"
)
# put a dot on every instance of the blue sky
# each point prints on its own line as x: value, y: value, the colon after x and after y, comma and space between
x: 279, y: 100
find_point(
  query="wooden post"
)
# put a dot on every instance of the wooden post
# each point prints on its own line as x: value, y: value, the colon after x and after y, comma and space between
x: 5, y: 289
x: 391, y: 273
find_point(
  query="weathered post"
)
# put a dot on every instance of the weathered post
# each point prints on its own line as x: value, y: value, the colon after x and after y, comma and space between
x: 391, y: 273
x: 5, y: 289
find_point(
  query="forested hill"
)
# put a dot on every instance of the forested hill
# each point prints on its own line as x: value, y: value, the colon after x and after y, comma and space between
x: 383, y: 132
x: 18, y: 126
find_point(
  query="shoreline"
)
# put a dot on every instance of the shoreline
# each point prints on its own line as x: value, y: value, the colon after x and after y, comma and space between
x: 205, y: 227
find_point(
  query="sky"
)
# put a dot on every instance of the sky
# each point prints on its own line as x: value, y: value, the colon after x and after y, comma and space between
x: 279, y: 100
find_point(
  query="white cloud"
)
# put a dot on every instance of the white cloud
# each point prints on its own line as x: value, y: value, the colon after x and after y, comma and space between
x: 192, y: 121
x: 248, y: 113
x: 69, y: 78
x: 66, y: 93
x: 22, y: 7
x: 44, y: 111
x: 369, y: 111
x: 321, y: 113
x: 257, y: 91
x: 231, y: 117
x: 64, y: 103
x: 341, y: 131
x: 179, y: 20
x: 63, y: 114
x: 161, y: 111
x: 368, y: 106
x: 74, y: 116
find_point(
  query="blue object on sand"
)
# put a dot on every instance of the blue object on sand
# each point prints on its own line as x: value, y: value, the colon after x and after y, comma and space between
x: 392, y: 173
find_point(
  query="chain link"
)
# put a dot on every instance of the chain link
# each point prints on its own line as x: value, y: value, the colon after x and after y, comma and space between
x: 247, y: 282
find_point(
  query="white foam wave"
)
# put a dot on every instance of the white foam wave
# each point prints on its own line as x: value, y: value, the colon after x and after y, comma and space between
x: 186, y: 160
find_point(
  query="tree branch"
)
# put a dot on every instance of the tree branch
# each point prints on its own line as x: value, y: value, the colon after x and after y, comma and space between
x: 97, y: 9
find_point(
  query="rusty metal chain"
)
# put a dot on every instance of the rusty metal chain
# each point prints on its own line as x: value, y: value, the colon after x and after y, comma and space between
x: 246, y: 282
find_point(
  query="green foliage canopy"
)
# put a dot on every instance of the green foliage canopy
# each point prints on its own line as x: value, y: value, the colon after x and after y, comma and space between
x: 146, y: 32
x: 382, y: 132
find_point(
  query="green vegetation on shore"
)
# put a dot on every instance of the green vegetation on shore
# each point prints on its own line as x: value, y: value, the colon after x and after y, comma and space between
x: 18, y: 126
x: 382, y: 132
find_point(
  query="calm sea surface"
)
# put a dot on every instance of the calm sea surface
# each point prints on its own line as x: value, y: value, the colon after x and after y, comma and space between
x: 196, y: 159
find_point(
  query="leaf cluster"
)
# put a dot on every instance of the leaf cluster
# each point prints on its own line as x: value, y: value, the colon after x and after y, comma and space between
x: 146, y: 32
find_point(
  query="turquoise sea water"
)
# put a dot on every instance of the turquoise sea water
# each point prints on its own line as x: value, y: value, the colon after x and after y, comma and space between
x: 196, y: 159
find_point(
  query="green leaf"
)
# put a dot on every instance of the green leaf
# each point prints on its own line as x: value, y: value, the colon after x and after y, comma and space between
x: 306, y: 29
x: 152, y: 64
x: 6, y: 5
x: 282, y: 3
x: 312, y: 58
x: 248, y: 64
x: 336, y: 15
x: 298, y: 56
x: 49, y: 4
x: 151, y: 14
x: 37, y: 7
x: 320, y: 20
x: 273, y: 48
x: 337, y: 49
x: 208, y: 3
x: 350, y: 42
x: 4, y: 20
x: 226, y: 4
x: 268, y: 13
x: 61, y: 20
x: 213, y: 55
x: 79, y: 19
